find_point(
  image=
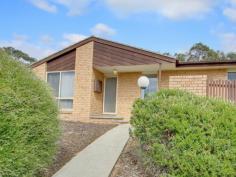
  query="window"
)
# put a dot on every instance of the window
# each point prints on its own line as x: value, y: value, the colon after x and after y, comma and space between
x: 54, y: 79
x: 231, y: 75
x: 62, y: 84
x: 152, y: 88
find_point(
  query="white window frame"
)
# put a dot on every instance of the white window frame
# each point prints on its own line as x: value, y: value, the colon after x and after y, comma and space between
x: 59, y: 90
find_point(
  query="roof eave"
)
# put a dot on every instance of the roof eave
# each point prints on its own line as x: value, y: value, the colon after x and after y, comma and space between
x: 63, y: 51
x: 104, y: 41
x: 204, y: 63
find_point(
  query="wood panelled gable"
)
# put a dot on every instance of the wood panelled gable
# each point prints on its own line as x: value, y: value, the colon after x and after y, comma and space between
x: 63, y: 62
x: 108, y: 55
x: 105, y: 54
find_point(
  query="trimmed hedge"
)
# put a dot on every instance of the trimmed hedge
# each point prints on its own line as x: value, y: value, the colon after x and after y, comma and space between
x: 186, y: 135
x: 29, y: 127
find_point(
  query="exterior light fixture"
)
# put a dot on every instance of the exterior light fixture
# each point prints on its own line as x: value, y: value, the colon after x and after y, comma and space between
x: 143, y: 83
x: 115, y: 72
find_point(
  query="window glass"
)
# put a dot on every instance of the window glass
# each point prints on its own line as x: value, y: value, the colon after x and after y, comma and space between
x: 152, y: 88
x: 63, y: 82
x: 67, y: 84
x: 54, y: 80
x: 66, y: 104
x: 232, y: 76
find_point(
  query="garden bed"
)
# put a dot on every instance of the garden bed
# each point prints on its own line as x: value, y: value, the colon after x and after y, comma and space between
x: 75, y: 137
x: 130, y: 163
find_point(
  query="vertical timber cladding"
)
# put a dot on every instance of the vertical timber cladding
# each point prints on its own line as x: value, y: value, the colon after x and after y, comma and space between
x: 64, y: 62
x: 107, y: 55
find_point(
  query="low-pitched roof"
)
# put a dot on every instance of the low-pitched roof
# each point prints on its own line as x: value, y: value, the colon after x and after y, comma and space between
x: 155, y: 56
x: 110, y: 43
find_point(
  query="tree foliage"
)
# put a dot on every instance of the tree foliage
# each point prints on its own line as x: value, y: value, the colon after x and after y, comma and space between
x: 231, y: 56
x: 201, y: 52
x: 184, y: 135
x: 180, y: 56
x: 19, y: 55
x: 29, y: 125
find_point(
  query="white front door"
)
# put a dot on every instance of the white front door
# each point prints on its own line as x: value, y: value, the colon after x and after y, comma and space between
x: 109, y: 105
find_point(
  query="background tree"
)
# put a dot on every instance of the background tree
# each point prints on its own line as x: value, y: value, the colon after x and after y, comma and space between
x: 19, y: 55
x: 166, y: 53
x: 202, y: 52
x: 180, y: 56
x: 231, y: 56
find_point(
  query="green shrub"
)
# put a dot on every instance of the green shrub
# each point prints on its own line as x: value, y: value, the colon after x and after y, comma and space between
x: 28, y: 121
x: 187, y: 135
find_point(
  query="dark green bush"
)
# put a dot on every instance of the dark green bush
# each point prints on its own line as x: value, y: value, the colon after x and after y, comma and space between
x: 28, y: 121
x: 186, y: 135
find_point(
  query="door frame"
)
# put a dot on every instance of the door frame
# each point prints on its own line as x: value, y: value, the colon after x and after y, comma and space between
x: 104, y: 90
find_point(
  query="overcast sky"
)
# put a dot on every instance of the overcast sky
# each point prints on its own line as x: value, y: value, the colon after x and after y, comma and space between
x: 41, y: 27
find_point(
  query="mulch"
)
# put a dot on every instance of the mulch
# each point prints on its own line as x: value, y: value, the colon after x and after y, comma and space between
x: 130, y: 163
x: 75, y: 137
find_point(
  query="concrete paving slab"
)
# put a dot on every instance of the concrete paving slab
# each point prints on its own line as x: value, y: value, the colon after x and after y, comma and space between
x: 99, y: 158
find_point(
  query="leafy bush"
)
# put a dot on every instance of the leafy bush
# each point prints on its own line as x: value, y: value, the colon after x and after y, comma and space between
x: 28, y: 121
x: 187, y: 135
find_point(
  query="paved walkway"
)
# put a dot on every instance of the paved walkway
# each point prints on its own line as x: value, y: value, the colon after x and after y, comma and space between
x: 98, y: 159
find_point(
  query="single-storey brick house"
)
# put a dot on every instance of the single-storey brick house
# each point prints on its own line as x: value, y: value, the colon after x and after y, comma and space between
x: 97, y: 79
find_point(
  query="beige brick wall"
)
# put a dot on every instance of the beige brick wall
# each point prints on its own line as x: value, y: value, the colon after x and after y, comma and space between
x: 87, y: 102
x: 128, y: 92
x: 97, y: 98
x: 40, y: 71
x: 83, y: 82
x: 191, y: 80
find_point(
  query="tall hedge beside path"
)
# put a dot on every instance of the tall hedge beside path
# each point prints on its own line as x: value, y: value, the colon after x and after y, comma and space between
x: 186, y: 135
x: 29, y: 127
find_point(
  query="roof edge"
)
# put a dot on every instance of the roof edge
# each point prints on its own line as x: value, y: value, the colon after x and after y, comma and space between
x: 63, y: 51
x: 107, y: 42
x: 205, y: 63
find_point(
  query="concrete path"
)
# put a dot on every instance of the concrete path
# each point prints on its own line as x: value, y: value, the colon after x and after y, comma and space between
x: 98, y: 159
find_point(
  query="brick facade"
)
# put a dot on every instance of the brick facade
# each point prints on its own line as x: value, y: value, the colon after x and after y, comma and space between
x: 191, y: 80
x: 97, y: 98
x: 128, y: 91
x: 87, y: 102
x: 83, y: 82
x: 40, y: 71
